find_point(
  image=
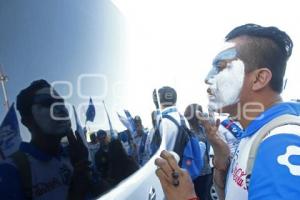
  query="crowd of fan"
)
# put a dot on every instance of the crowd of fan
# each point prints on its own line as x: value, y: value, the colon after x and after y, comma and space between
x: 70, y: 168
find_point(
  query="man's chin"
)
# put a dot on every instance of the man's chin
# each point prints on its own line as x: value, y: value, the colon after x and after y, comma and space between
x: 231, y: 110
x: 58, y: 133
x: 214, y: 107
x: 64, y: 132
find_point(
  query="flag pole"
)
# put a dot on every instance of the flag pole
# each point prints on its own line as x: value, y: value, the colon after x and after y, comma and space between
x: 85, y: 130
x: 112, y: 132
x: 3, y: 80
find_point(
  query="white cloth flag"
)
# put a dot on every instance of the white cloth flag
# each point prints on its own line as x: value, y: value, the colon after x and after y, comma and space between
x: 10, y: 138
x: 80, y: 131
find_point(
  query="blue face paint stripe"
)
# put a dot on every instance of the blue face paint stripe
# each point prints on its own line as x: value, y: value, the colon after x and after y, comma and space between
x: 228, y: 54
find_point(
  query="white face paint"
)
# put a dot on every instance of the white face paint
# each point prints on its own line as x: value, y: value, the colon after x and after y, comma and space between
x: 45, y: 120
x: 225, y: 84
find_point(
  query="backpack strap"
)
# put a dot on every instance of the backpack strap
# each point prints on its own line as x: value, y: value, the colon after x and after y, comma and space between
x: 158, y: 125
x: 181, y: 139
x: 21, y: 161
x: 182, y: 121
x: 264, y: 131
x: 171, y: 119
x: 207, y: 145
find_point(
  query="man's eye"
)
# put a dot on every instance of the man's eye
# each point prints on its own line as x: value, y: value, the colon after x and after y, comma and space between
x: 217, y: 67
x: 220, y: 65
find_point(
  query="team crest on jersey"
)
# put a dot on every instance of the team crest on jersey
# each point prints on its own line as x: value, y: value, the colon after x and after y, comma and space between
x: 284, y: 159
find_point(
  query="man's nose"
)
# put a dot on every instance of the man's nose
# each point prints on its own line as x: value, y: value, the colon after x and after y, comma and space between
x: 210, y: 76
x: 61, y: 110
x: 207, y: 80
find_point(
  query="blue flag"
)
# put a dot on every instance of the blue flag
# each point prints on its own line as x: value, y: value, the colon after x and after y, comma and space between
x: 132, y: 126
x: 124, y: 121
x: 79, y: 130
x: 91, y: 111
x: 10, y: 138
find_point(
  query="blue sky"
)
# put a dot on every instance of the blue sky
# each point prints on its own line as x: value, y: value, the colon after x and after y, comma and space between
x: 58, y: 40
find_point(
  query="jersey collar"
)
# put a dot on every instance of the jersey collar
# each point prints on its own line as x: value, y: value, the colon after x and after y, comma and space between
x: 35, y: 152
x: 169, y: 110
x: 271, y: 113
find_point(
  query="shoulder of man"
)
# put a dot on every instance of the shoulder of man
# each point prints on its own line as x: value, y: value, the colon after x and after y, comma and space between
x: 277, y: 165
x: 10, y: 180
x: 174, y: 115
x: 166, y: 122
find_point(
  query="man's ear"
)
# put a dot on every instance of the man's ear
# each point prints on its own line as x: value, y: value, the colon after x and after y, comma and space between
x: 261, y: 78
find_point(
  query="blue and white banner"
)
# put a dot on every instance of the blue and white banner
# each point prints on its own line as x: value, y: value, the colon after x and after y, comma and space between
x: 132, y: 126
x: 124, y: 121
x: 10, y: 138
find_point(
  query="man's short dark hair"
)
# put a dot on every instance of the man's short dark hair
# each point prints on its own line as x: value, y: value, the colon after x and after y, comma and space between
x: 101, y: 133
x: 25, y: 97
x: 264, y: 47
x: 190, y: 113
x: 137, y: 119
x: 167, y: 96
x: 93, y: 137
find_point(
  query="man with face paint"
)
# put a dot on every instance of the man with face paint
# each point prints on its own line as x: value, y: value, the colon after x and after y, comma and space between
x: 246, y: 81
x: 41, y: 169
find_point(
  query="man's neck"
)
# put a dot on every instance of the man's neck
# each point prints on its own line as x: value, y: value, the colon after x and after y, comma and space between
x: 163, y: 107
x: 195, y: 128
x: 47, y: 144
x: 250, y: 111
